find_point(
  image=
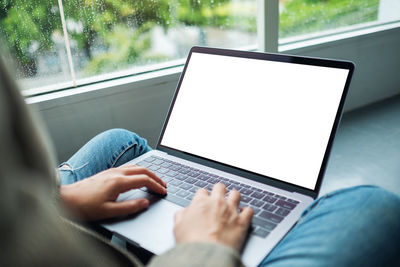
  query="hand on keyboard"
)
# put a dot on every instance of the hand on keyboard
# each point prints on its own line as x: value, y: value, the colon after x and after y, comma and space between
x: 213, y: 218
x: 183, y: 181
x: 94, y: 198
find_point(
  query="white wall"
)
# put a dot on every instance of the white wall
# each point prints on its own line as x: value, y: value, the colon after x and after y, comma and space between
x: 142, y: 105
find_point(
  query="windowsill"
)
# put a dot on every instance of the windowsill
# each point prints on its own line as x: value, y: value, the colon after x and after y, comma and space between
x: 105, y: 88
x: 102, y: 78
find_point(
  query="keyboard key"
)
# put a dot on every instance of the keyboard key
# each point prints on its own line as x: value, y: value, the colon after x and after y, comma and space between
x: 269, y: 226
x: 256, y: 211
x: 280, y: 197
x: 143, y: 164
x: 185, y: 186
x: 213, y: 180
x: 184, y: 170
x: 260, y: 232
x: 285, y: 204
x: 245, y: 199
x: 175, y: 167
x: 172, y: 189
x: 190, y: 180
x: 282, y: 212
x: 172, y: 173
x: 154, y: 167
x: 177, y: 200
x: 226, y: 183
x: 203, y: 177
x: 234, y: 186
x: 245, y: 191
x: 270, y: 199
x: 175, y: 182
x: 158, y: 162
x: 245, y: 185
x: 180, y: 177
x: 193, y: 174
x: 269, y: 207
x: 257, y: 203
x: 292, y: 201
x: 201, y: 183
x: 194, y: 189
x: 167, y: 179
x: 182, y: 193
x: 163, y: 170
x: 166, y: 165
x: 150, y: 159
x: 270, y: 216
x: 257, y: 195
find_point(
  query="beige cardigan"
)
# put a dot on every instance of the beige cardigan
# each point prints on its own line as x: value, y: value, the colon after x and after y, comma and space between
x: 33, y: 230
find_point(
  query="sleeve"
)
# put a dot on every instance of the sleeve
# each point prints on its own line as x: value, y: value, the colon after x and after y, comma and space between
x: 198, y: 255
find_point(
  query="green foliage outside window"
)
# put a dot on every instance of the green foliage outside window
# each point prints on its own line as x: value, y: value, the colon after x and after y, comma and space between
x: 120, y: 29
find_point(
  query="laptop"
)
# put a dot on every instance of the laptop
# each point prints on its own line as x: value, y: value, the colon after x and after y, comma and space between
x: 260, y: 123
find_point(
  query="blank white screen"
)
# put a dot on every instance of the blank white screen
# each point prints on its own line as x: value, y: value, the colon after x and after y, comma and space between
x: 267, y: 117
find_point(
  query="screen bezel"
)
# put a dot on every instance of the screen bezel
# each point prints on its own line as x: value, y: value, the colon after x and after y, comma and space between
x: 271, y: 57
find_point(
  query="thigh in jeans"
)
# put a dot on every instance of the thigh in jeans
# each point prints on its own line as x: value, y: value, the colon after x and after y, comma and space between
x: 358, y: 226
x: 109, y: 149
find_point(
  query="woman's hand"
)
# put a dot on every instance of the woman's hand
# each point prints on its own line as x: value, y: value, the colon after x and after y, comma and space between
x: 94, y: 198
x: 213, y: 219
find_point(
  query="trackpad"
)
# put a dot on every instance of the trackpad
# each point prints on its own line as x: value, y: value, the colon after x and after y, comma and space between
x: 151, y: 229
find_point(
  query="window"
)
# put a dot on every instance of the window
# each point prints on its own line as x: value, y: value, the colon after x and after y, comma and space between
x: 108, y: 36
x: 112, y: 38
x: 305, y: 17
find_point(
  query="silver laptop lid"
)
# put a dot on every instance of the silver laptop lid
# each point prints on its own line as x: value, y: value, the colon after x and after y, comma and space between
x: 268, y: 116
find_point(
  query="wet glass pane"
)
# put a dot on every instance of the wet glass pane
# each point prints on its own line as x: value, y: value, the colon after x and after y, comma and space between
x: 31, y: 31
x: 113, y: 35
x: 298, y: 17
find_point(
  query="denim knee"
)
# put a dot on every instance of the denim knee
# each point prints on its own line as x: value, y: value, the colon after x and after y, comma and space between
x: 374, y: 194
x: 131, y: 146
x: 111, y: 148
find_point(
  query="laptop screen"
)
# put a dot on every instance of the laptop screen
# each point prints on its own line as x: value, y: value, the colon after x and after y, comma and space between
x: 268, y: 117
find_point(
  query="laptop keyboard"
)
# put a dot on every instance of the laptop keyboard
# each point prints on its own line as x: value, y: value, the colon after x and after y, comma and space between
x: 183, y: 182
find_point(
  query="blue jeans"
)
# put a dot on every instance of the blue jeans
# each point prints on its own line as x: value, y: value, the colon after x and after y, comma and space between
x: 358, y: 226
x: 109, y: 149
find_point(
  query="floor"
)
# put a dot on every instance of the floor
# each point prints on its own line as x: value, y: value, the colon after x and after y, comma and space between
x: 367, y: 148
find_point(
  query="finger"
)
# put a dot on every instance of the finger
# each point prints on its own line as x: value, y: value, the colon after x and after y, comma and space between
x: 133, y: 169
x: 201, y: 192
x: 246, y: 215
x: 234, y: 198
x: 113, y: 209
x: 138, y: 181
x: 218, y: 191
